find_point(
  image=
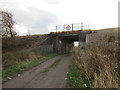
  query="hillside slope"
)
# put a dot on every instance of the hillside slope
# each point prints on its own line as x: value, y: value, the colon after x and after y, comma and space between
x: 98, y: 59
x: 17, y: 50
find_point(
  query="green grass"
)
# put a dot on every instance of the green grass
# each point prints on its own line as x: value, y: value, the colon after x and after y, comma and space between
x: 76, y: 80
x: 18, y: 68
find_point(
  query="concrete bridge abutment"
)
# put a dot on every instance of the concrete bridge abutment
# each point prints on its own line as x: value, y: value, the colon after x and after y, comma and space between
x: 64, y: 42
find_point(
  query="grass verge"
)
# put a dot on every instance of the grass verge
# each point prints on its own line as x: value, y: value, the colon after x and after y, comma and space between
x: 18, y: 68
x: 76, y: 80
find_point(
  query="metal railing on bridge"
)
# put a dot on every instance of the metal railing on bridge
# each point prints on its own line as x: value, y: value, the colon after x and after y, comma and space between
x: 70, y: 27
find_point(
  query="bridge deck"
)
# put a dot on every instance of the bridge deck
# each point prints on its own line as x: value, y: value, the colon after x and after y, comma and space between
x: 70, y: 32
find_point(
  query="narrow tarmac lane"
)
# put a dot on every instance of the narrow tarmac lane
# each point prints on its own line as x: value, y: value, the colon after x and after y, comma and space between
x: 43, y: 75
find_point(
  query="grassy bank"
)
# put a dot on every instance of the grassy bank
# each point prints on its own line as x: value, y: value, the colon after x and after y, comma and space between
x: 76, y: 80
x: 19, y: 49
x: 18, y: 68
x: 98, y: 60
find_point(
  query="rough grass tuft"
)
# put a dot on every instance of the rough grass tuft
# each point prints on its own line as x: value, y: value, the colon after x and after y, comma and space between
x: 98, y: 60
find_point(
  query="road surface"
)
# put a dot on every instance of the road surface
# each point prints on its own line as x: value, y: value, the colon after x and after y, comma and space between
x: 45, y: 75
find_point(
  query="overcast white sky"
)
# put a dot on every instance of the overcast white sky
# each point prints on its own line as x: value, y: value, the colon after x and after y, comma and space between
x: 36, y: 16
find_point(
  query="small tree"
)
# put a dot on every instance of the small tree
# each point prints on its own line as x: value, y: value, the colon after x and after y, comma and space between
x: 6, y: 24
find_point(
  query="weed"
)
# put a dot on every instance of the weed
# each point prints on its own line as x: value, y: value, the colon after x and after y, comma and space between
x: 76, y: 80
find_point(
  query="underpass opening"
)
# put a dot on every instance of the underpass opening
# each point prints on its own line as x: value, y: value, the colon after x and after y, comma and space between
x: 64, y: 42
x: 76, y: 44
x: 67, y: 42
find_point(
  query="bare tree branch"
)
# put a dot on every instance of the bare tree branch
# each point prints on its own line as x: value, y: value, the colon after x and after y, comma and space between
x: 6, y: 24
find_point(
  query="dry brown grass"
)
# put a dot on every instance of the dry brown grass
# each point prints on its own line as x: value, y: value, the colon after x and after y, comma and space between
x: 21, y: 42
x: 17, y: 50
x: 18, y: 57
x: 98, y: 60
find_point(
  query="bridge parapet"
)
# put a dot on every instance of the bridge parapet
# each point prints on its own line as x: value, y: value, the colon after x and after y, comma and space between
x: 70, y: 27
x: 71, y: 32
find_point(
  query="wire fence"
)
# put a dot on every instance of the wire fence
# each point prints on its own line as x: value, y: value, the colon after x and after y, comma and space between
x: 43, y: 49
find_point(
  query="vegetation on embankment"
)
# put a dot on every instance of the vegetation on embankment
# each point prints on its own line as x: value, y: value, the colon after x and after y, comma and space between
x: 12, y: 70
x: 18, y: 54
x: 76, y: 79
x: 18, y: 49
x: 21, y: 42
x: 98, y: 60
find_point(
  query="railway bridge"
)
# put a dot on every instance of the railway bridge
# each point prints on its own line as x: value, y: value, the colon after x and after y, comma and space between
x: 63, y: 41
